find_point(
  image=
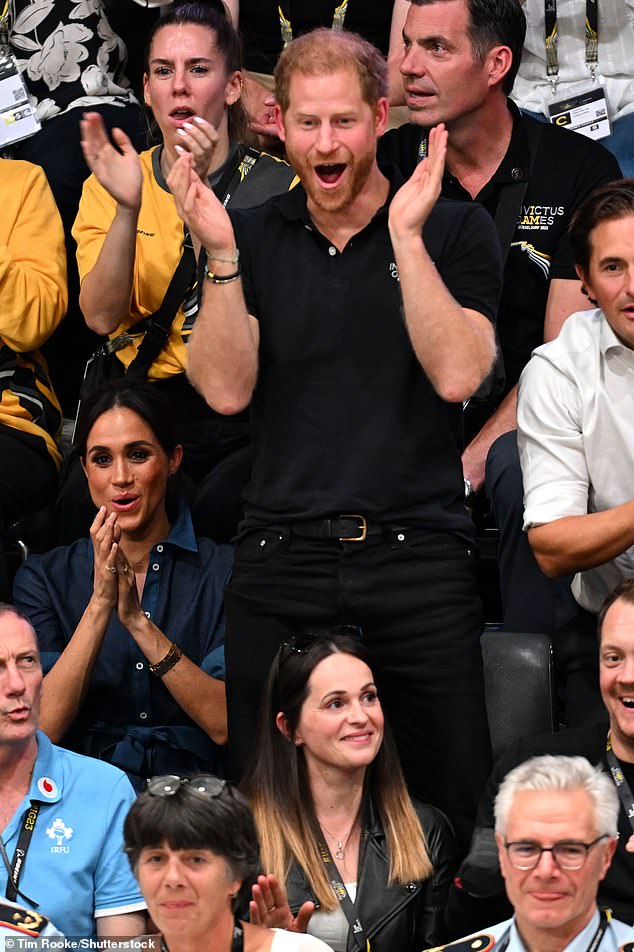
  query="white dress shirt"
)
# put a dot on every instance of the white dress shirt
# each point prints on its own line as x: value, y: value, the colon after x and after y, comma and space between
x: 576, y: 436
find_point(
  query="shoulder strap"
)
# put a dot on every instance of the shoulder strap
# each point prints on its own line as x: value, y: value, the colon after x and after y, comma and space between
x: 512, y: 195
x: 157, y: 326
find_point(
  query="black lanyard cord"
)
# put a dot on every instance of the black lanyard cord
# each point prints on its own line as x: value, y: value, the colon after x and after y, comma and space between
x: 16, y: 866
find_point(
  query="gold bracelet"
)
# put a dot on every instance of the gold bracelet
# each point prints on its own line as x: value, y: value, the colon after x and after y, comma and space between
x: 166, y: 664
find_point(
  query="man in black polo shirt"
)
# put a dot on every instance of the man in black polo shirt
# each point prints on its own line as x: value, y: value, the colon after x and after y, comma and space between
x: 460, y: 60
x: 358, y: 333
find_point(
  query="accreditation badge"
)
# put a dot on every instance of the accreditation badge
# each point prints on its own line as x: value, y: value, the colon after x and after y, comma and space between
x: 586, y: 113
x: 18, y: 119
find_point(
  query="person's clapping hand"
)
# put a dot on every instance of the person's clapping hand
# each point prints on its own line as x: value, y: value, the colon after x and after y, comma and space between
x: 269, y: 906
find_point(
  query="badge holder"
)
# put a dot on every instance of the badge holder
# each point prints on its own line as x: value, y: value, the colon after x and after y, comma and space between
x: 586, y: 113
x: 18, y: 119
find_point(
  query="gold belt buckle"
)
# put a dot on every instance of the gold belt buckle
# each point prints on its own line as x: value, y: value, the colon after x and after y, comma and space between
x: 363, y: 528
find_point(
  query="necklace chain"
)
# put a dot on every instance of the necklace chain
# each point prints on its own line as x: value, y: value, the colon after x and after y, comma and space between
x: 342, y: 841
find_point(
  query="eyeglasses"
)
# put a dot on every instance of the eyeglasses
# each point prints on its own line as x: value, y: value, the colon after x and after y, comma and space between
x: 204, y: 785
x: 302, y: 643
x: 569, y: 854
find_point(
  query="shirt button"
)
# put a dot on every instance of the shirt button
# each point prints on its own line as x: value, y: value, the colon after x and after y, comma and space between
x: 139, y: 666
x: 262, y: 542
x: 516, y: 174
x: 159, y: 548
x: 147, y: 614
x: 332, y: 251
x: 143, y: 715
x: 401, y: 537
x: 155, y: 567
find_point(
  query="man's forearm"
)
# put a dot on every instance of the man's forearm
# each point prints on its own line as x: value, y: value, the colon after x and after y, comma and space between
x: 475, y: 455
x: 454, y: 346
x: 579, y: 543
x: 223, y: 348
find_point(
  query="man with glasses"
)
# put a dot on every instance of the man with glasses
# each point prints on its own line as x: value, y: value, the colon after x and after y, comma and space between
x: 556, y: 833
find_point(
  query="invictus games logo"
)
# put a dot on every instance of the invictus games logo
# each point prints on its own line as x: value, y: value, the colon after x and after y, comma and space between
x: 394, y: 270
x: 539, y: 217
x: 59, y: 832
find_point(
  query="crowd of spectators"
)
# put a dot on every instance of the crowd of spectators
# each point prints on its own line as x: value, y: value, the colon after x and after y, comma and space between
x: 321, y: 356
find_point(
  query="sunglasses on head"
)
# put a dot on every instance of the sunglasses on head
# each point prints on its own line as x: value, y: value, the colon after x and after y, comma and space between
x: 203, y: 785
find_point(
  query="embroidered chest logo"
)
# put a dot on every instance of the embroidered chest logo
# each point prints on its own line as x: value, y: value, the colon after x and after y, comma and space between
x: 539, y: 217
x: 394, y: 270
x: 59, y: 832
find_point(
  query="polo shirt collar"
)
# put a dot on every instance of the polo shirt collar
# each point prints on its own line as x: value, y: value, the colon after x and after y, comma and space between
x: 47, y: 782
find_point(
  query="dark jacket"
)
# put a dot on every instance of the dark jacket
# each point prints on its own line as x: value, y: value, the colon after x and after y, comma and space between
x: 400, y: 918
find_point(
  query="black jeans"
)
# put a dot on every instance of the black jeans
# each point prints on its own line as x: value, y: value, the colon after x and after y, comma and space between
x: 414, y: 597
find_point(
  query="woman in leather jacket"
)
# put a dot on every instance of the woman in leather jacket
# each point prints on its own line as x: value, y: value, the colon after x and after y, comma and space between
x: 350, y: 857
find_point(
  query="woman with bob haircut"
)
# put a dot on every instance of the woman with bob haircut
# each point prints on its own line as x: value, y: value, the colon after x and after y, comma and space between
x: 193, y: 848
x: 331, y: 807
x: 130, y: 621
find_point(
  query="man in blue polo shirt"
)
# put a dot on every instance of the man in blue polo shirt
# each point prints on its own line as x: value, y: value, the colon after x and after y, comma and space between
x: 61, y: 814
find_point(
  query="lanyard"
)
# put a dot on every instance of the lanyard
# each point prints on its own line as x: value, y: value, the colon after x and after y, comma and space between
x: 16, y: 866
x: 286, y: 28
x: 595, y: 942
x: 4, y: 24
x: 551, y: 38
x: 237, y: 943
x: 621, y: 784
x: 347, y: 906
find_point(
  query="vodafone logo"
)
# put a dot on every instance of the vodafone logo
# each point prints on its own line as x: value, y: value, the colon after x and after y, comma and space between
x: 47, y: 787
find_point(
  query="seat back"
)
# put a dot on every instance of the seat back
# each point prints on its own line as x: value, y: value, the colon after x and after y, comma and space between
x: 519, y: 686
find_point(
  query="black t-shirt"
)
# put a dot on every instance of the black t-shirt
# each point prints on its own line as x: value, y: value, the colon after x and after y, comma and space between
x: 260, y: 25
x: 567, y: 167
x: 344, y: 418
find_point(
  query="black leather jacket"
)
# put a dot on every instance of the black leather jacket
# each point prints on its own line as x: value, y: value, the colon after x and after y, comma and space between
x: 401, y: 918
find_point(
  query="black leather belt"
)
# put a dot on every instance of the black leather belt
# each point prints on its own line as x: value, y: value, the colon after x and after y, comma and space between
x: 347, y: 527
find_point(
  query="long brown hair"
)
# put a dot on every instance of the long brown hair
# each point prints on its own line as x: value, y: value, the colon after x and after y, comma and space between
x: 279, y: 789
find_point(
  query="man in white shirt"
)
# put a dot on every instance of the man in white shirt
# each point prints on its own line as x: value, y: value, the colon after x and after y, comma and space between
x: 576, y: 429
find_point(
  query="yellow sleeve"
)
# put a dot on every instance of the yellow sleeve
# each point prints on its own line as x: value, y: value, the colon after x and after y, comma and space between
x: 32, y: 258
x: 95, y: 215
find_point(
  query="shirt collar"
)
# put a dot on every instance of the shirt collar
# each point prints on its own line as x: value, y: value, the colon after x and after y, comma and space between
x: 579, y: 944
x: 182, y: 532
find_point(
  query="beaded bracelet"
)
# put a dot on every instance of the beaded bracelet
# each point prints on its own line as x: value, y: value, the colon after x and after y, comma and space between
x: 222, y: 278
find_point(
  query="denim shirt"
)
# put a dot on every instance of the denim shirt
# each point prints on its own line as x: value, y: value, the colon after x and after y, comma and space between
x: 129, y: 717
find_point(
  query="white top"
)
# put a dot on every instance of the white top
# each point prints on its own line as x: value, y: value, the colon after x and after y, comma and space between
x: 333, y: 927
x: 576, y: 436
x: 532, y: 89
x: 297, y: 942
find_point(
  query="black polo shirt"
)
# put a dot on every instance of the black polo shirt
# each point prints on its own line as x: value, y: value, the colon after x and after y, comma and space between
x: 567, y: 167
x: 344, y: 418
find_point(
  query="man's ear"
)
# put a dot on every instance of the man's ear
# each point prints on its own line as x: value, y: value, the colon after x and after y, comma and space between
x: 498, y: 61
x: 279, y: 122
x: 499, y: 841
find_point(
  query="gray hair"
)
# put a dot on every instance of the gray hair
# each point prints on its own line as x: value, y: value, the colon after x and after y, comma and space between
x: 561, y: 773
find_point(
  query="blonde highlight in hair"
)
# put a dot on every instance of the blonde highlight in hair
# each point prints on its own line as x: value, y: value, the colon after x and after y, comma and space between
x: 325, y: 51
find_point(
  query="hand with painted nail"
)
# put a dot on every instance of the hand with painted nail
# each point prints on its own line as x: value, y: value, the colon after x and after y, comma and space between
x: 200, y: 139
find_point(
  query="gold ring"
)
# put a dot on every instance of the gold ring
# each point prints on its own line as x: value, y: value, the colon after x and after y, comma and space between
x: 112, y: 569
x: 271, y: 909
x: 125, y: 568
